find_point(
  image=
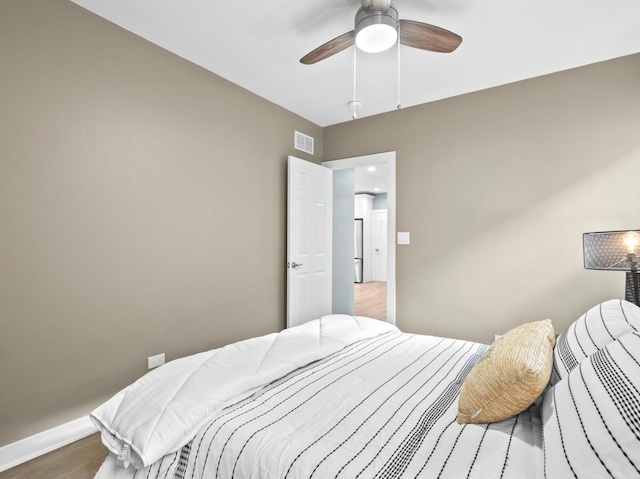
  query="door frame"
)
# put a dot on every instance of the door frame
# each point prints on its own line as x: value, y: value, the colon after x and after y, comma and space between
x: 390, y: 159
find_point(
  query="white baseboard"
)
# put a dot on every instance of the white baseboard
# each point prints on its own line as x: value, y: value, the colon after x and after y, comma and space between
x: 31, y: 447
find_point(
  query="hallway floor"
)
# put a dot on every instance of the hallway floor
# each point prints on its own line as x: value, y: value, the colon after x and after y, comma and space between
x: 370, y: 299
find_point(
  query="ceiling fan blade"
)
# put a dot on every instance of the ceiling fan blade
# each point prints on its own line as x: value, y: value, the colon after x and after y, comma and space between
x: 428, y: 37
x: 330, y: 48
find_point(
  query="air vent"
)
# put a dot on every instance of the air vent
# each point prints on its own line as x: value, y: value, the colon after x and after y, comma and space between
x: 303, y: 142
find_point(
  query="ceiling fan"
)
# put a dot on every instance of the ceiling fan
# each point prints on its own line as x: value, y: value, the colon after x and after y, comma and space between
x: 377, y: 28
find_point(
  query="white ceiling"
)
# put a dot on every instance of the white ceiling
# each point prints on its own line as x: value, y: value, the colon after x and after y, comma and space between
x: 258, y: 44
x: 374, y: 182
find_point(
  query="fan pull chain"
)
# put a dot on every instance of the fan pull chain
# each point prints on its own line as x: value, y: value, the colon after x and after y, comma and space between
x: 354, y: 103
x: 399, y: 105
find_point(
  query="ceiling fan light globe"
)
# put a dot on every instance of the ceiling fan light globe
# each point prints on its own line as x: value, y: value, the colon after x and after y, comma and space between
x: 376, y: 31
x: 376, y: 38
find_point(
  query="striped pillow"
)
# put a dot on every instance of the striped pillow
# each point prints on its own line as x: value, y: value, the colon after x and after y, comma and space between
x: 595, y: 329
x: 591, y: 419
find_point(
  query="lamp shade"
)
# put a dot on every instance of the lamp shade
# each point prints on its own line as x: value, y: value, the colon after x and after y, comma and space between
x: 611, y: 250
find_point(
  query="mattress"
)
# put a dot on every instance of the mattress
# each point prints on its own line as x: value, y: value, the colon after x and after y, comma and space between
x: 382, y: 407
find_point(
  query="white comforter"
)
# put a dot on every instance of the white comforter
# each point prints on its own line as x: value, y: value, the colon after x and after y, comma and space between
x: 384, y: 407
x: 164, y: 409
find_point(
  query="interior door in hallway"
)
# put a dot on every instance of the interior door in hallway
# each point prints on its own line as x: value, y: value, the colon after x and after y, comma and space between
x: 380, y: 245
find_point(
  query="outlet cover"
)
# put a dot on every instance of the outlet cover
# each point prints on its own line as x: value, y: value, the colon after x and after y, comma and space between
x: 155, y: 361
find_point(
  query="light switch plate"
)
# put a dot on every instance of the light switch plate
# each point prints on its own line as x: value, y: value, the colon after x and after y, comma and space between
x: 404, y: 238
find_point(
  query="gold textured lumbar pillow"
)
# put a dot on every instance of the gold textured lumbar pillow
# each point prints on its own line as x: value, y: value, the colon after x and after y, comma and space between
x: 510, y: 376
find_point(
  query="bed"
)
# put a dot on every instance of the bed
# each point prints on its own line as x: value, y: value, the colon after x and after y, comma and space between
x: 353, y: 397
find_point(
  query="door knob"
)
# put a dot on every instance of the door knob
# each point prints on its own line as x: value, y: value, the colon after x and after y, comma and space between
x: 295, y: 265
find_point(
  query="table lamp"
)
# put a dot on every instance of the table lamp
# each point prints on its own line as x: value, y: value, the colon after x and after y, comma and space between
x: 615, y: 251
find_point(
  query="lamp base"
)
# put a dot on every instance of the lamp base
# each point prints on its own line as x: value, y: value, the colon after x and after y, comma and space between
x: 631, y: 292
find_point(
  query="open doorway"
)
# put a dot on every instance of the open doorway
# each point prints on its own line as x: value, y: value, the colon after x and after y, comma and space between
x: 375, y: 295
x: 370, y: 297
x: 370, y: 209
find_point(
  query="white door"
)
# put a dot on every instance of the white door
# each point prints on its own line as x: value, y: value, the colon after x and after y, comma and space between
x: 309, y: 241
x: 380, y: 245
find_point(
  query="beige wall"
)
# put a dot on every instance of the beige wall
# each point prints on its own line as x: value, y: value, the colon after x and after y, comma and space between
x: 142, y: 210
x: 137, y: 216
x: 496, y: 189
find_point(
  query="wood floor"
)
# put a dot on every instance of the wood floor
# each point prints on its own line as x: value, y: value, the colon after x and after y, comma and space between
x: 370, y: 299
x: 79, y: 460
